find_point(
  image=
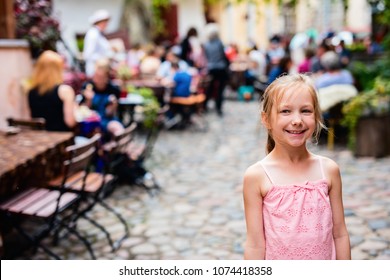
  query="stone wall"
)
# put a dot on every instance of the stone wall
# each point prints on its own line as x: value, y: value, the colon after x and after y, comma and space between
x: 16, y: 67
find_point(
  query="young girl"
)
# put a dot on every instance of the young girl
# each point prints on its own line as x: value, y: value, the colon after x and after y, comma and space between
x: 293, y: 198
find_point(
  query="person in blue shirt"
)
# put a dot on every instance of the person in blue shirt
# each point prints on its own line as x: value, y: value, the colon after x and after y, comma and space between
x: 181, y: 87
x: 164, y: 71
x: 182, y: 81
x: 282, y: 68
x: 101, y: 94
x: 334, y: 74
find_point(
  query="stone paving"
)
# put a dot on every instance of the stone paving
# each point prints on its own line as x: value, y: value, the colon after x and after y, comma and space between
x: 199, y: 214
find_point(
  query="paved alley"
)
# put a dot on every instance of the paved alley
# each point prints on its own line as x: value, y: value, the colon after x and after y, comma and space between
x: 199, y: 213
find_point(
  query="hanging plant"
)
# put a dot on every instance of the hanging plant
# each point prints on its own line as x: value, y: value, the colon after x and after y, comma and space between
x: 35, y: 23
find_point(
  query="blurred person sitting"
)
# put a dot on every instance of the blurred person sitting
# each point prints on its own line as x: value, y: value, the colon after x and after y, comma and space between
x: 49, y: 97
x: 134, y: 57
x: 334, y: 74
x: 315, y: 62
x: 305, y: 65
x: 335, y: 86
x: 181, y: 87
x: 232, y: 52
x: 281, y: 68
x: 101, y: 94
x: 96, y: 45
x: 181, y: 81
x: 344, y: 54
x: 257, y: 63
x: 372, y: 47
x: 275, y: 51
x: 172, y: 56
x: 151, y: 62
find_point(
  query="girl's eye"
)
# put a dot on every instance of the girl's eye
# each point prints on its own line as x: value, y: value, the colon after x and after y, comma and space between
x: 307, y: 111
x: 285, y: 111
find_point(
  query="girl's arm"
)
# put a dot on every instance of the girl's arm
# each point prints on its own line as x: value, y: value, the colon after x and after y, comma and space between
x: 253, y: 203
x: 67, y: 95
x: 340, y: 233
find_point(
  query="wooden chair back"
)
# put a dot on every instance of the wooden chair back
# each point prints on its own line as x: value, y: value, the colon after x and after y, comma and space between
x: 122, y: 140
x: 79, y: 157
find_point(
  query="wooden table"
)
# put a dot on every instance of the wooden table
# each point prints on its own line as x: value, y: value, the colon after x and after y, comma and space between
x: 30, y: 157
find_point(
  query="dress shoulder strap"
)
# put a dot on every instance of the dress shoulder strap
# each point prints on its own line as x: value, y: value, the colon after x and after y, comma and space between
x: 321, y: 167
x: 267, y: 173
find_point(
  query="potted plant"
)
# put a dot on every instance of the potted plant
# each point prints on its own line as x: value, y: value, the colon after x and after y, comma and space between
x: 35, y: 24
x: 367, y: 117
x: 150, y: 108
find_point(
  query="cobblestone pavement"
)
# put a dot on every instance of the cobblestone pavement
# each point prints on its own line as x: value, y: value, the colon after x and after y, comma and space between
x: 199, y: 214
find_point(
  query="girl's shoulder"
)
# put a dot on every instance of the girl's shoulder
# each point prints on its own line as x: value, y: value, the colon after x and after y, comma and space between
x: 256, y: 172
x: 255, y: 175
x: 253, y: 171
x: 330, y: 168
x: 328, y: 163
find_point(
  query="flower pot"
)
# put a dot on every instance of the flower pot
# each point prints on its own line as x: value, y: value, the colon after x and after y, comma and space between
x: 373, y: 136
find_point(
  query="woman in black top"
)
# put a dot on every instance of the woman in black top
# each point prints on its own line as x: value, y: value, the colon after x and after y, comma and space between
x: 49, y: 98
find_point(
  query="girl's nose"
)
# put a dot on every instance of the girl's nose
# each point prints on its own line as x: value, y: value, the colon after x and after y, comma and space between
x: 296, y: 120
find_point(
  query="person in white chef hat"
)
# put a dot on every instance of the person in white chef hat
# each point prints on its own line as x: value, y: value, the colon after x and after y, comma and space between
x: 96, y: 45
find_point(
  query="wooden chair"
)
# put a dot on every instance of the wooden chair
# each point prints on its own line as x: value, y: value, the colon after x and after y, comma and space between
x: 90, y: 186
x: 190, y: 109
x: 35, y: 123
x: 120, y: 142
x: 187, y: 108
x: 56, y: 209
x: 126, y: 153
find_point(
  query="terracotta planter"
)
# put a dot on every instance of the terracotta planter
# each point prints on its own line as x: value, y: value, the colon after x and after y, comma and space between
x: 373, y: 136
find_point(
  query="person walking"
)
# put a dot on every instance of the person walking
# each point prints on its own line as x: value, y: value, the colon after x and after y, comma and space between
x: 217, y: 67
x: 292, y: 197
x: 96, y: 45
x: 191, y: 49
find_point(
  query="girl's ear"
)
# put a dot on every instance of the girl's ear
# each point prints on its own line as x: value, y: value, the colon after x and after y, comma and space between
x: 265, y: 120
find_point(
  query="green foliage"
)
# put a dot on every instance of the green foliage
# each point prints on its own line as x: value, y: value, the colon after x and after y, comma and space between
x: 151, y: 106
x: 80, y: 44
x: 357, y: 47
x: 124, y: 72
x: 157, y: 8
x: 373, y: 102
x: 374, y: 81
x: 385, y: 17
x: 365, y: 74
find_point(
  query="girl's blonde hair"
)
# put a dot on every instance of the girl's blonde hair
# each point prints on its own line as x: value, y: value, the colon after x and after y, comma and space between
x: 273, y: 95
x: 48, y: 72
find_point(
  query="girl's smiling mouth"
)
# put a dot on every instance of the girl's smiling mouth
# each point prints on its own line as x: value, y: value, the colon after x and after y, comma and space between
x: 295, y: 131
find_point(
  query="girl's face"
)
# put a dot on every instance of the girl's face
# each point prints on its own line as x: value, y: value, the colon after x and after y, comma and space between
x: 293, y: 119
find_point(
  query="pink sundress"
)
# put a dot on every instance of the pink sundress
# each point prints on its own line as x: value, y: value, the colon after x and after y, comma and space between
x: 298, y: 221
